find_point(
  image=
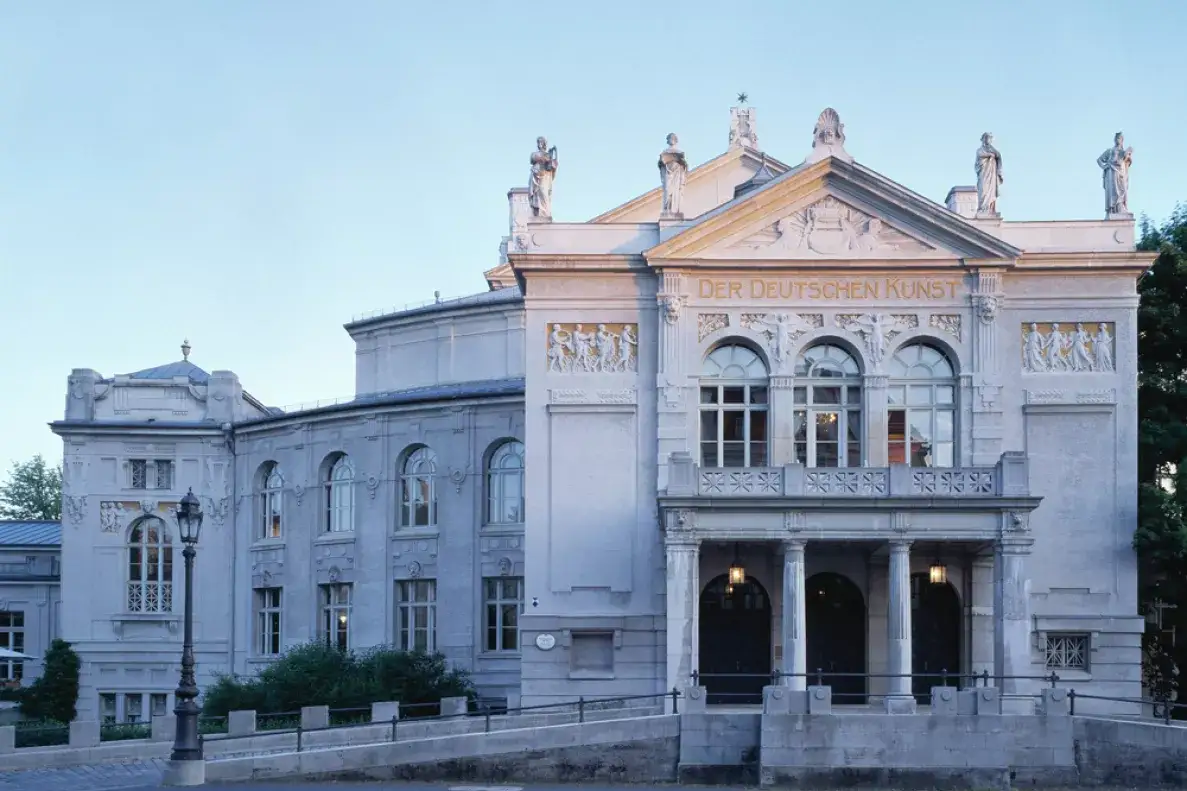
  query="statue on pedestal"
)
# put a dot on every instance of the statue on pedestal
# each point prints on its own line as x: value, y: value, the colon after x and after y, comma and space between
x: 544, y: 165
x: 989, y: 176
x: 1114, y: 165
x: 673, y: 169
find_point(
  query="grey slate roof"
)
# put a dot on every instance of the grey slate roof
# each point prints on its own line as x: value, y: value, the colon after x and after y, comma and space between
x: 15, y: 532
x: 497, y: 296
x: 446, y: 392
x: 170, y: 370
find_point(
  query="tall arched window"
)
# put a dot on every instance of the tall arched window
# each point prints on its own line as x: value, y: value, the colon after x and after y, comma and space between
x: 339, y: 493
x: 827, y: 408
x: 418, y: 497
x: 921, y: 412
x: 733, y: 408
x: 504, y: 485
x: 150, y: 566
x: 271, y: 502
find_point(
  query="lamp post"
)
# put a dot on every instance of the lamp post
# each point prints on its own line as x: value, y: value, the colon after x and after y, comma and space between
x: 187, y: 749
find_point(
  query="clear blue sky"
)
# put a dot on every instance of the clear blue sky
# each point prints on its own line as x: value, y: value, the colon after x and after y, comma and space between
x: 253, y: 174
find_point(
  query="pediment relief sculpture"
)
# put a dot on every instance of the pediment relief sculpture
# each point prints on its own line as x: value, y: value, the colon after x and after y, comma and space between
x: 832, y: 229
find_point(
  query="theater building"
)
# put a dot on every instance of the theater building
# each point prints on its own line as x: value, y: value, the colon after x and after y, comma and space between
x: 769, y: 418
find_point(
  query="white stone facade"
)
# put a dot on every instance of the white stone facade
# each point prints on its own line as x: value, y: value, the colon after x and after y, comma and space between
x: 809, y: 373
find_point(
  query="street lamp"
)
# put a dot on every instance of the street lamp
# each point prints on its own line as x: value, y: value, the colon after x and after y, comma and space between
x: 187, y: 749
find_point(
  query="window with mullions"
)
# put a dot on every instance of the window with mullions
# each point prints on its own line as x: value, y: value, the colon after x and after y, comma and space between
x: 827, y: 408
x: 733, y: 409
x: 921, y: 411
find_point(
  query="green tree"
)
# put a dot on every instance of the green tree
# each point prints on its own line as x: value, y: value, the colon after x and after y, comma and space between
x: 1161, y: 536
x: 33, y: 491
x: 54, y: 695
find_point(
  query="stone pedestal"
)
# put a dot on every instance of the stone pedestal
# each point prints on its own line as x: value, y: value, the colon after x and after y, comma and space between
x: 795, y: 619
x: 184, y: 773
x: 899, y: 699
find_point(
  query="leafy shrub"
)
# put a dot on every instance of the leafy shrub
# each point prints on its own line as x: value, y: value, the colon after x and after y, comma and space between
x: 41, y: 733
x: 315, y: 674
x: 54, y: 696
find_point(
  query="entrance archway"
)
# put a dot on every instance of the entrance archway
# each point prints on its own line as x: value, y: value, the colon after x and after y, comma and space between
x: 836, y: 613
x: 935, y: 635
x: 735, y: 641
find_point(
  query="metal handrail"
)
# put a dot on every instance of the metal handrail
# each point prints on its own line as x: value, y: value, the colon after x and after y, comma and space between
x: 819, y: 674
x: 1167, y: 706
x: 582, y: 704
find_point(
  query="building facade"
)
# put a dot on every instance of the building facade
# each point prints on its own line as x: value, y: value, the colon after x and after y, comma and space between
x: 762, y: 419
x: 30, y: 595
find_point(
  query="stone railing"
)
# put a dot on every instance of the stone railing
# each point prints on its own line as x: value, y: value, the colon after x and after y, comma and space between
x: 1007, y: 478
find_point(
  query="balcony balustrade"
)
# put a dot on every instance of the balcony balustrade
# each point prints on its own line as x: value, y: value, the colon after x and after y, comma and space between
x: 1007, y: 478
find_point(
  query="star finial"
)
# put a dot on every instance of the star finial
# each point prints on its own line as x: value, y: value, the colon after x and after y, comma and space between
x: 185, y: 349
x: 742, y: 97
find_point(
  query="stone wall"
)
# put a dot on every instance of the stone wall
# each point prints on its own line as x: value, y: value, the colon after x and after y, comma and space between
x: 1131, y: 754
x: 719, y: 747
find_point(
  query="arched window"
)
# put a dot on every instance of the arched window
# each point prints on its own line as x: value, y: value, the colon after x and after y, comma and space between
x: 504, y: 485
x: 150, y: 567
x: 733, y: 408
x: 271, y: 502
x: 921, y: 412
x: 339, y: 491
x: 827, y: 408
x: 418, y: 497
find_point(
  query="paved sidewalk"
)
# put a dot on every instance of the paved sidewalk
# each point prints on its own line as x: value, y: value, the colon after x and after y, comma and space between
x: 95, y: 777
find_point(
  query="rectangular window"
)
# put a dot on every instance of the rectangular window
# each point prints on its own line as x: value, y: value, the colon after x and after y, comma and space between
x: 335, y: 614
x: 133, y: 707
x: 138, y: 472
x: 1067, y: 651
x: 733, y: 430
x: 164, y: 474
x: 107, y: 713
x: 159, y: 702
x: 592, y: 652
x: 12, y: 637
x: 268, y: 618
x: 416, y: 615
x: 503, y: 606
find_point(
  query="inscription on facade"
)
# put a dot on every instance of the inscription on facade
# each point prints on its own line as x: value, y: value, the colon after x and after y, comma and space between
x: 860, y: 288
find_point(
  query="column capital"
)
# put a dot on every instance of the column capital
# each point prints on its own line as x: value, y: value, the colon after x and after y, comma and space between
x: 900, y: 544
x: 780, y: 382
x: 793, y: 546
x: 873, y: 381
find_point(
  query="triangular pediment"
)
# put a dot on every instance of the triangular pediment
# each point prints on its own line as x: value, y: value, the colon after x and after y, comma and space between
x: 832, y: 210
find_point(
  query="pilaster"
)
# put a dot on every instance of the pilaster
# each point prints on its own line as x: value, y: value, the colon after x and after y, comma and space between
x: 1011, y: 605
x: 782, y: 421
x: 795, y: 618
x: 873, y: 409
x: 987, y: 423
x: 682, y: 551
x: 671, y: 377
x: 899, y: 699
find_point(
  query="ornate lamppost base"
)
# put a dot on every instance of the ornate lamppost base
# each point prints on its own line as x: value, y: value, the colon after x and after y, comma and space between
x: 184, y: 773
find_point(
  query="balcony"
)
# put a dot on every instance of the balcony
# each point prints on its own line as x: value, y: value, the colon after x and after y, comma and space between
x: 1007, y: 478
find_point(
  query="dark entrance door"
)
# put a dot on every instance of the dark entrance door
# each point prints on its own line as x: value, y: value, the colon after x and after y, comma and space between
x: 836, y: 614
x: 735, y: 641
x: 935, y: 635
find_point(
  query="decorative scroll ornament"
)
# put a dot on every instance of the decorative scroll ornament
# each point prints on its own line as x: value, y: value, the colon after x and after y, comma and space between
x: 299, y: 493
x: 373, y: 485
x: 946, y: 323
x: 75, y: 507
x: 709, y: 323
x: 457, y: 477
x: 830, y: 228
x: 415, y: 570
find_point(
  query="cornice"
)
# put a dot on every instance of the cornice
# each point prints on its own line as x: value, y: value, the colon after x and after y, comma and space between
x: 1086, y: 263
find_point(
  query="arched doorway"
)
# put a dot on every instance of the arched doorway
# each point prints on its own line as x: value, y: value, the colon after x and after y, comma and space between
x: 935, y: 635
x: 836, y: 613
x: 735, y: 639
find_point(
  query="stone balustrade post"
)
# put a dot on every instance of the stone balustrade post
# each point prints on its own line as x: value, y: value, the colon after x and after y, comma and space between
x: 243, y: 723
x: 315, y: 717
x: 385, y: 711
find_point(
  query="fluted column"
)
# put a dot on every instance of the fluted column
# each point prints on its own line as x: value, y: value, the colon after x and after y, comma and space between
x: 782, y: 421
x: 683, y: 556
x: 795, y: 618
x: 899, y: 699
x: 1011, y: 615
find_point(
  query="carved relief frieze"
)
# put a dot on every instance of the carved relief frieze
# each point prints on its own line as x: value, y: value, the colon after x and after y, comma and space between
x: 781, y: 330
x: 75, y: 508
x: 217, y: 509
x: 680, y: 521
x: 877, y: 329
x: 829, y: 228
x: 949, y: 323
x: 709, y: 323
x: 577, y: 396
x: 794, y: 521
x: 506, y: 566
x: 592, y: 348
x: 111, y: 517
x: 495, y: 543
x: 1068, y: 347
x: 426, y: 547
